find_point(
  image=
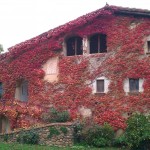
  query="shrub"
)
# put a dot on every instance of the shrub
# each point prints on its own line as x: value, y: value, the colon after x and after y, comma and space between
x: 64, y: 130
x: 28, y: 137
x: 56, y: 116
x: 62, y: 117
x: 77, y: 132
x: 120, y: 141
x: 138, y: 131
x: 6, y: 137
x: 98, y: 136
x: 53, y: 131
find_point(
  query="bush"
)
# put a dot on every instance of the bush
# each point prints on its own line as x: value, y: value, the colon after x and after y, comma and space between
x: 6, y: 137
x: 56, y: 116
x: 77, y: 132
x: 120, y: 141
x: 64, y: 130
x: 28, y: 137
x: 53, y: 131
x: 98, y: 136
x: 138, y: 131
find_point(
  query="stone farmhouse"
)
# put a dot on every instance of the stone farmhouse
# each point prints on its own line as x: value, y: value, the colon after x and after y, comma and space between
x: 96, y: 66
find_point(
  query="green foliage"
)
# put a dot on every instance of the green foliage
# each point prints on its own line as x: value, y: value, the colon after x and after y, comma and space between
x: 64, y: 130
x: 56, y: 116
x: 1, y: 48
x: 138, y: 131
x: 16, y: 146
x: 77, y: 132
x: 6, y: 137
x: 53, y: 131
x: 98, y: 136
x: 120, y: 141
x: 28, y: 137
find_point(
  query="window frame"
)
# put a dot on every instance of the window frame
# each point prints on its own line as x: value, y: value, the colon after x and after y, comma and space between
x: 148, y: 46
x: 133, y: 85
x: 103, y: 88
x: 21, y: 92
x: 101, y: 43
x: 106, y: 85
x: 126, y: 86
x: 75, y: 40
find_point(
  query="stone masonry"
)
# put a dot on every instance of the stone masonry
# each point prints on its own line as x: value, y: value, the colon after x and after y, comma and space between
x: 61, y: 140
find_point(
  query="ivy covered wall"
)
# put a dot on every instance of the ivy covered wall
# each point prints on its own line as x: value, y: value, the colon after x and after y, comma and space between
x: 125, y: 58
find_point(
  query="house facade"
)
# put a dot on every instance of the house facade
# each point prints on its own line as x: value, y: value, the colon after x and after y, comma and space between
x: 95, y: 66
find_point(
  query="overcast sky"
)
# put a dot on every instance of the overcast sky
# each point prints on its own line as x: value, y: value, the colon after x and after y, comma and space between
x: 21, y: 20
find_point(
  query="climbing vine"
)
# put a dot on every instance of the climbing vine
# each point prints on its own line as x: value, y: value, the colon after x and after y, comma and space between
x: 125, y: 59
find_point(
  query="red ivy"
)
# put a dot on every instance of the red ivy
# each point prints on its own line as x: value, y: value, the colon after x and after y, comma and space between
x: 125, y: 58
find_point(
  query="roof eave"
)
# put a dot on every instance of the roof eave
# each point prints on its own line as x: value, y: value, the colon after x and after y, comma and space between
x: 125, y: 12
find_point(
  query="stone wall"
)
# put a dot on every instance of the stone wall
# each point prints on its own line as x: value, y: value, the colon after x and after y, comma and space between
x: 62, y: 139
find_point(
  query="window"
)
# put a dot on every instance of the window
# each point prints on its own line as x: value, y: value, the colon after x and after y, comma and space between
x: 74, y: 46
x: 51, y: 66
x: 98, y: 43
x: 1, y: 90
x: 51, y: 69
x: 22, y: 90
x: 148, y: 46
x: 134, y: 85
x: 4, y: 124
x: 100, y: 86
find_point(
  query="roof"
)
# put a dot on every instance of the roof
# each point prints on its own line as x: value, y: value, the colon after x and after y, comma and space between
x: 108, y: 10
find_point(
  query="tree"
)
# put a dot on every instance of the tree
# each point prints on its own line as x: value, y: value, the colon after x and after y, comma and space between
x: 1, y: 48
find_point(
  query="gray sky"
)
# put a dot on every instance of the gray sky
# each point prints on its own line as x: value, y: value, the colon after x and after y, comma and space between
x: 24, y: 19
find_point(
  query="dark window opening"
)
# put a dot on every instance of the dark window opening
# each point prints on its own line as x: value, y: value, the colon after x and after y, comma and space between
x: 98, y: 43
x: 148, y: 46
x: 74, y: 46
x: 100, y: 86
x: 24, y: 91
x: 1, y: 89
x: 134, y: 85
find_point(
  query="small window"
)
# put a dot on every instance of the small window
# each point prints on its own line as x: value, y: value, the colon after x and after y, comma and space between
x: 22, y: 90
x: 148, y: 46
x: 1, y: 90
x: 100, y: 86
x: 98, y: 43
x: 134, y: 85
x: 74, y: 46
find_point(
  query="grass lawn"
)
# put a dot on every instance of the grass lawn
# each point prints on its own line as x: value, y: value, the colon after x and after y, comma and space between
x: 15, y: 146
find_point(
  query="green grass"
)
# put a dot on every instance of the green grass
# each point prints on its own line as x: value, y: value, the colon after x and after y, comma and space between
x: 15, y: 146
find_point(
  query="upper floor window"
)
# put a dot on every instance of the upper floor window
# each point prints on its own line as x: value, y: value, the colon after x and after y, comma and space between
x: 148, y: 46
x: 74, y: 46
x: 51, y: 69
x: 22, y: 90
x: 1, y: 89
x: 98, y: 43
